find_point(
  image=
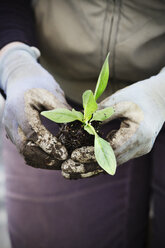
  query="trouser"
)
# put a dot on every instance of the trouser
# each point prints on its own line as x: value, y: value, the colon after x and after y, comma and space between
x: 47, y: 211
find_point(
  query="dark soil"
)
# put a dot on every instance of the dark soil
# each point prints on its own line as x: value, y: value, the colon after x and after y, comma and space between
x: 73, y: 135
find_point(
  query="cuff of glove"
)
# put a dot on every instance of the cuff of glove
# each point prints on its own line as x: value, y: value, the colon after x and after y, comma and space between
x: 5, y: 57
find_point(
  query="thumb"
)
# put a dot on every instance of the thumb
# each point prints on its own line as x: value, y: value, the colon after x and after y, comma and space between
x: 36, y: 100
x: 131, y: 116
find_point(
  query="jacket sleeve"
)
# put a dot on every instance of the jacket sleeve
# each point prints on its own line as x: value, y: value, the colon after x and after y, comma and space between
x: 16, y: 22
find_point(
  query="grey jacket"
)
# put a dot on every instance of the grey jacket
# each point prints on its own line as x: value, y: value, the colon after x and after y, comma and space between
x: 75, y: 37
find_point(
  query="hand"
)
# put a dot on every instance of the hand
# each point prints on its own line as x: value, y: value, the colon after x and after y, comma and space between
x: 141, y: 108
x: 82, y: 164
x: 30, y: 89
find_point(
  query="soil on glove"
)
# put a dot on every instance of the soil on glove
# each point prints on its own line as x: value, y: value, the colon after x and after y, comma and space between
x: 72, y: 135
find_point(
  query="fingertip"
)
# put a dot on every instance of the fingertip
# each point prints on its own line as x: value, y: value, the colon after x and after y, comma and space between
x: 84, y: 154
x: 65, y: 175
x: 72, y: 176
x: 92, y: 173
x: 71, y: 167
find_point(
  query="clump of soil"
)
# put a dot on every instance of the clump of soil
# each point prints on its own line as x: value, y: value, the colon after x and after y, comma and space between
x: 72, y: 135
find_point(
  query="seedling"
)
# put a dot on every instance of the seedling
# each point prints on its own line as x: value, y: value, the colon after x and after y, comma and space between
x: 103, y: 152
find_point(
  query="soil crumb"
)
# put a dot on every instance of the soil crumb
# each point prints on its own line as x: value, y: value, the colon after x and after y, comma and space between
x: 72, y: 135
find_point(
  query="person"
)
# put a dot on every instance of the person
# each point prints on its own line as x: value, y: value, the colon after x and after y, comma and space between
x: 74, y: 37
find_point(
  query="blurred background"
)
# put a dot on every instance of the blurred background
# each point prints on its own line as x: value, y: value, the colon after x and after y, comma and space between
x: 4, y: 238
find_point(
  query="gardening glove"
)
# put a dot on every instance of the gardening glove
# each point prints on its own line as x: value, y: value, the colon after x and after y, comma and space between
x: 30, y: 89
x: 141, y: 108
x: 82, y: 164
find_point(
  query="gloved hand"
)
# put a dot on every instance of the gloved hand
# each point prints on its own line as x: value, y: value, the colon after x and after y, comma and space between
x: 82, y: 164
x: 30, y: 89
x: 141, y: 108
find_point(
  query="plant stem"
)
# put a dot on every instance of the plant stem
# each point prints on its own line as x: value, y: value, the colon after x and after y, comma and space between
x: 94, y: 132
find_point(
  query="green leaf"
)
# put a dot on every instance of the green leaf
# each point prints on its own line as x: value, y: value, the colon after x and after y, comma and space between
x: 61, y: 115
x: 79, y: 115
x: 104, y: 155
x: 89, y: 129
x: 103, y: 79
x: 103, y: 114
x: 89, y: 104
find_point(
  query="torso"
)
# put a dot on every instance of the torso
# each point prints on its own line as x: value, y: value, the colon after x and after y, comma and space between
x: 75, y: 37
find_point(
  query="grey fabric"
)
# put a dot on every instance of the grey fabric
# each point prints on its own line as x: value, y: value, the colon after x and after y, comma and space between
x: 75, y: 36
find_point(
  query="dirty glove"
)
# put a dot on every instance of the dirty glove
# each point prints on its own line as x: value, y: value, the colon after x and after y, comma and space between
x: 82, y: 164
x: 30, y: 89
x: 141, y: 108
